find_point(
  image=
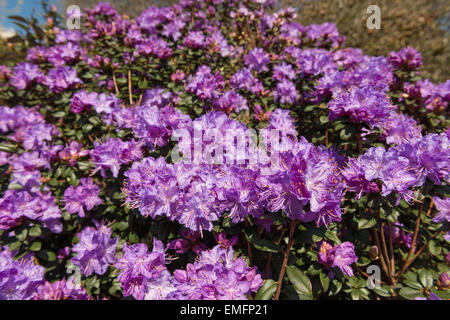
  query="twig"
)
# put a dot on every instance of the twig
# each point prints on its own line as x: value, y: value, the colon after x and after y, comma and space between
x: 385, y: 252
x: 129, y: 87
x: 115, y: 84
x: 391, y: 248
x: 285, y: 259
x: 430, y: 208
x: 408, y: 263
x: 413, y: 245
x: 377, y: 242
x: 269, y: 256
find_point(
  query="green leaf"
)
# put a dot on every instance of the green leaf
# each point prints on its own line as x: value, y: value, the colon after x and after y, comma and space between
x: 262, y: 244
x: 8, y: 147
x: 382, y: 291
x: 426, y: 278
x: 133, y: 237
x: 35, y: 231
x: 22, y: 235
x: 19, y: 18
x: 47, y: 255
x: 412, y: 284
x: 325, y: 281
x: 267, y: 290
x: 301, y: 282
x: 15, y: 186
x: 355, y: 294
x: 121, y: 226
x: 366, y: 223
x: 434, y: 248
x: 409, y: 293
x: 335, y: 287
x: 36, y: 246
x: 323, y: 119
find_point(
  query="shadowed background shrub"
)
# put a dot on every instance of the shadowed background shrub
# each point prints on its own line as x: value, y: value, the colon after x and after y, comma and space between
x: 422, y: 24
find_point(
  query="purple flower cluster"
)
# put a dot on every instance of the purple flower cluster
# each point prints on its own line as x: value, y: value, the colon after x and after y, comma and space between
x: 285, y: 92
x: 197, y: 194
x: 72, y: 153
x: 83, y: 100
x: 18, y: 206
x: 408, y: 58
x: 19, y: 279
x: 244, y: 79
x: 360, y: 105
x: 257, y: 60
x: 144, y: 274
x: 401, y: 167
x: 61, y: 290
x: 204, y: 84
x: 216, y: 274
x: 61, y: 78
x: 231, y: 101
x: 96, y: 249
x: 84, y: 197
x: 113, y: 153
x: 340, y: 256
x: 25, y: 74
x: 435, y: 97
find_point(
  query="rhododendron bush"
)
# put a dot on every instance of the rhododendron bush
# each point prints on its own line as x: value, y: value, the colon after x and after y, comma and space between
x: 220, y: 150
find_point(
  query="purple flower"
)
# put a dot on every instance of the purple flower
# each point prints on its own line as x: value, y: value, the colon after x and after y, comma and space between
x: 61, y: 78
x: 144, y: 274
x: 283, y: 71
x: 231, y: 101
x: 408, y: 58
x: 204, y: 84
x: 96, y: 250
x: 286, y: 92
x: 194, y: 40
x: 341, y: 256
x: 83, y: 197
x: 281, y: 119
x: 19, y: 279
x: 444, y: 279
x: 83, y: 100
x: 218, y: 275
x: 443, y: 207
x: 17, y: 206
x: 24, y: 74
x: 72, y: 153
x: 355, y: 178
x: 361, y: 105
x: 63, y: 54
x: 243, y: 79
x: 324, y: 34
x: 257, y: 60
x: 113, y: 153
x: 61, y: 290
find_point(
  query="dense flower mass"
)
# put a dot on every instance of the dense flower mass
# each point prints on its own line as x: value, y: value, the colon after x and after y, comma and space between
x: 257, y: 157
x: 216, y: 274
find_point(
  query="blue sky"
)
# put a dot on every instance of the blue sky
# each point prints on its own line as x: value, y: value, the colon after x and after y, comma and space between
x: 19, y: 7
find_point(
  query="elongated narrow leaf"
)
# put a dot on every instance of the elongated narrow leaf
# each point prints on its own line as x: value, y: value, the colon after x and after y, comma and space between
x: 301, y: 282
